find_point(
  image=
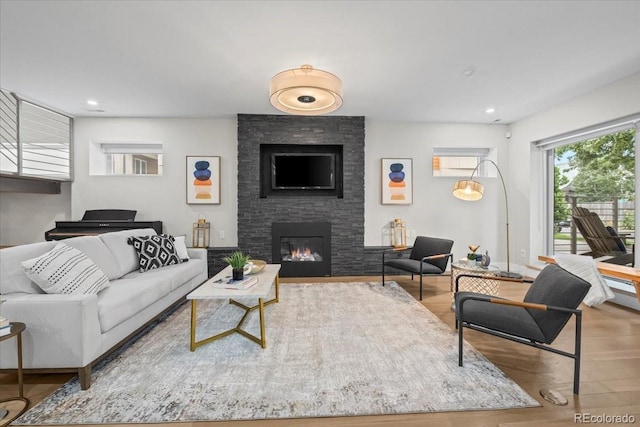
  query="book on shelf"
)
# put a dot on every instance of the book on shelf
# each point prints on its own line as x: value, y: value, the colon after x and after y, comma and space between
x: 3, y: 322
x: 5, y: 330
x: 246, y: 283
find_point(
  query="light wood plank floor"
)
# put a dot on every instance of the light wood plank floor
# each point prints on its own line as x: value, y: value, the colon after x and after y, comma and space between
x: 610, y: 382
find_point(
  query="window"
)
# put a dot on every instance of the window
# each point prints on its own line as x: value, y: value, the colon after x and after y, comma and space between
x: 460, y: 162
x: 125, y: 158
x: 139, y: 166
x: 35, y: 141
x: 593, y: 169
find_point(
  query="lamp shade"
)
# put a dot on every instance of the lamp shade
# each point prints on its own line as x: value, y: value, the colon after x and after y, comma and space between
x: 468, y: 190
x: 305, y: 91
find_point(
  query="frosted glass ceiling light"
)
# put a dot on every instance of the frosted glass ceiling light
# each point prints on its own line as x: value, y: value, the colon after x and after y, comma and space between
x: 305, y: 91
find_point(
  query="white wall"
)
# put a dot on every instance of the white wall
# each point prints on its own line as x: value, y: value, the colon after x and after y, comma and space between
x: 613, y: 101
x: 435, y: 212
x: 24, y: 217
x: 160, y: 197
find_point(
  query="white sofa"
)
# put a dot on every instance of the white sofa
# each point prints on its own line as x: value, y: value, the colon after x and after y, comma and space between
x: 73, y: 332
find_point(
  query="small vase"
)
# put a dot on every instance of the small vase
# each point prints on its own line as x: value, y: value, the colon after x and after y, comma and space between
x: 486, y: 259
x: 237, y: 274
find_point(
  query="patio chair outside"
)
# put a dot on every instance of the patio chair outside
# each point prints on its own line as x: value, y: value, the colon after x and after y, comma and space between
x: 600, y: 240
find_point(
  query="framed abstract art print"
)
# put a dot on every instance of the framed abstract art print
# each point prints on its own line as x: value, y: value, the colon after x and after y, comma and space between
x: 397, y: 182
x: 203, y: 180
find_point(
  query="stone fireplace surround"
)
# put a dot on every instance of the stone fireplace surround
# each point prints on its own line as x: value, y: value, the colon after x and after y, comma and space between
x: 303, y: 249
x: 346, y: 214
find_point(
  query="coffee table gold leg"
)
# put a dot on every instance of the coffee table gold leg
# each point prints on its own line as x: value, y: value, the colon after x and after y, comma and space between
x: 193, y: 325
x: 277, y: 288
x: 263, y: 338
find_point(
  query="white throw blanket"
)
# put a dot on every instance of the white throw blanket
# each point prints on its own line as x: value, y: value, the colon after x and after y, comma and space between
x: 585, y: 268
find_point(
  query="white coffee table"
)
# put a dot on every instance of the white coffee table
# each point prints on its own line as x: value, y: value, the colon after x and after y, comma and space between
x: 266, y: 278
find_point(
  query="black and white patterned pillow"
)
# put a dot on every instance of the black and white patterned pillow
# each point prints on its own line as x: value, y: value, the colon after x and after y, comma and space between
x: 154, y: 251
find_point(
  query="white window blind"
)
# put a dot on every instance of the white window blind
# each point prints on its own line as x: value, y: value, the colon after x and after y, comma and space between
x: 35, y: 141
x: 45, y: 139
x: 8, y: 133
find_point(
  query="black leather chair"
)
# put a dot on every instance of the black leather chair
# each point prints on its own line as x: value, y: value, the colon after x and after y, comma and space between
x: 429, y: 256
x: 547, y: 307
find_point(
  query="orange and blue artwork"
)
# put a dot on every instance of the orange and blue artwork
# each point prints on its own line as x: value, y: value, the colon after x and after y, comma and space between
x: 397, y: 186
x: 203, y: 180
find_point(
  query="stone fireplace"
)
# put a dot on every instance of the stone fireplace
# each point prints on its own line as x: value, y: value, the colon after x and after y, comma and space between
x: 257, y: 214
x: 302, y: 249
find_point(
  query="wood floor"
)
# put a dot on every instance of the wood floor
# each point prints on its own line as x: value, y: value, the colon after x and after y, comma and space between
x: 610, y: 383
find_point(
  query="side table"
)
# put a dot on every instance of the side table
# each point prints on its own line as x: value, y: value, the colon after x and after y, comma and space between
x: 472, y: 284
x: 16, y: 330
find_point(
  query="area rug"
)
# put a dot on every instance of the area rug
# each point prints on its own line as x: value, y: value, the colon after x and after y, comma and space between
x: 333, y: 349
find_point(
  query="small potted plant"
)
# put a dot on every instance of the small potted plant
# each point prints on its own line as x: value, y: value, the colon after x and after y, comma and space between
x: 237, y: 261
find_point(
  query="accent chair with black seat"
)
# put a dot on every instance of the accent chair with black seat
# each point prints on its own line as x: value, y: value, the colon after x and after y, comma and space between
x: 548, y: 305
x: 429, y: 256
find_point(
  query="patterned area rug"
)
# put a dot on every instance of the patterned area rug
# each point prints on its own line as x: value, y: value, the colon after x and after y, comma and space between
x: 333, y: 349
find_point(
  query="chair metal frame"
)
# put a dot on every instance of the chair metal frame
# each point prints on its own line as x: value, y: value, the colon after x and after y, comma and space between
x: 424, y: 259
x: 461, y: 324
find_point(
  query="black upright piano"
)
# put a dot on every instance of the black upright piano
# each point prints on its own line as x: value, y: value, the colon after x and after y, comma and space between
x: 100, y: 221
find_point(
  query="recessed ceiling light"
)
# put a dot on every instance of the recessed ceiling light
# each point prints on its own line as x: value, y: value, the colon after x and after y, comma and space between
x: 469, y: 72
x: 490, y: 110
x: 92, y: 102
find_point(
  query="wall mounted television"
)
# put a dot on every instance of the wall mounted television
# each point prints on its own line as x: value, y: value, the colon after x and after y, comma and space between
x: 303, y: 171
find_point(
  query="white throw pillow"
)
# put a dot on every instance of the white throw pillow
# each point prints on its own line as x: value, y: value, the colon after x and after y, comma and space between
x: 65, y: 270
x: 181, y: 247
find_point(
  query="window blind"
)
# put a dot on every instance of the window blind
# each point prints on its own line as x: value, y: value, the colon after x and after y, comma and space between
x: 45, y: 139
x: 8, y: 133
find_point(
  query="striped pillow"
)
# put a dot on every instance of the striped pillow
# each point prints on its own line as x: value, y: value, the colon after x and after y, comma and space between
x: 65, y: 270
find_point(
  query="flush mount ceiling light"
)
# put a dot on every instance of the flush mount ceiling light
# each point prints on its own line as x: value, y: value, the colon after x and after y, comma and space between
x: 305, y: 91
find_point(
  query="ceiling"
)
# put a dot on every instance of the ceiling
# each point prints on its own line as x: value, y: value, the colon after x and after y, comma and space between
x: 419, y: 61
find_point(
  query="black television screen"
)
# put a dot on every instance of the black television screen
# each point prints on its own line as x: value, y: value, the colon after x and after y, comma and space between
x: 303, y: 171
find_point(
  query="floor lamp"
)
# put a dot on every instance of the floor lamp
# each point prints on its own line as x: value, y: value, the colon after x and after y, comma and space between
x: 472, y: 190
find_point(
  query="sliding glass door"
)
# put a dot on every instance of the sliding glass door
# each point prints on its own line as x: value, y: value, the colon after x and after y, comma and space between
x: 597, y: 174
x: 591, y: 190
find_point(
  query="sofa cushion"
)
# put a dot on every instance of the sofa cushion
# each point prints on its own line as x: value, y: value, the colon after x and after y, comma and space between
x: 616, y: 238
x: 95, y: 249
x: 178, y: 274
x: 65, y: 270
x: 12, y: 277
x: 124, y: 253
x: 126, y: 297
x: 154, y: 251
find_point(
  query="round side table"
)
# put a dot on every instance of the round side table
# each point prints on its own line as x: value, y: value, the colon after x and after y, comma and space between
x: 9, y: 404
x: 472, y: 284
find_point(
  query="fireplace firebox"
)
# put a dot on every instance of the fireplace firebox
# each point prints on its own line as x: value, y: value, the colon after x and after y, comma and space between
x: 303, y: 249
